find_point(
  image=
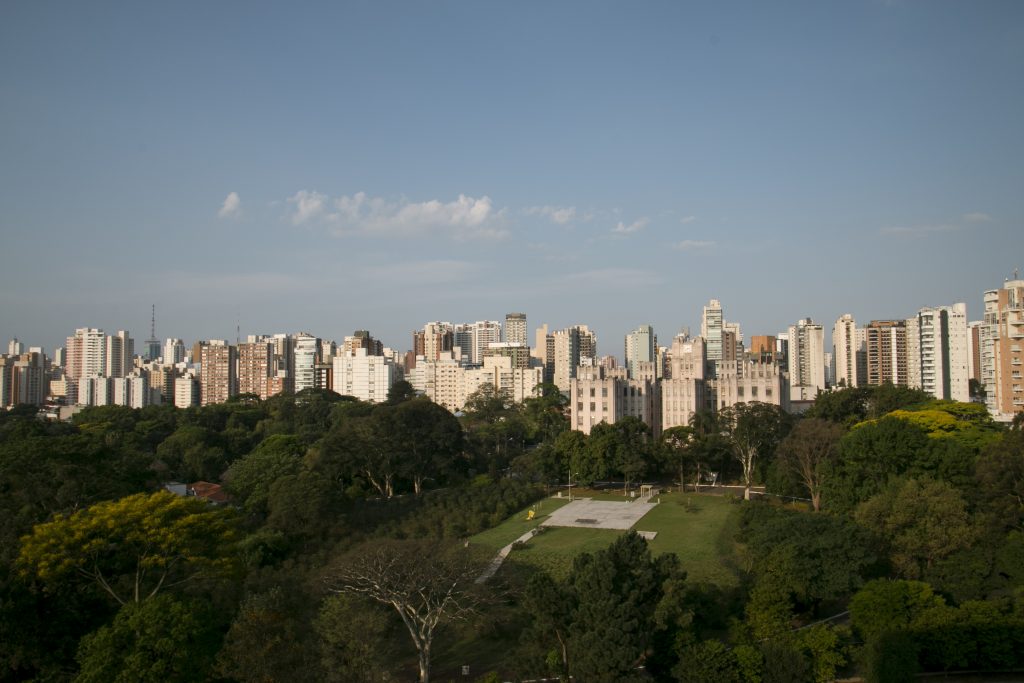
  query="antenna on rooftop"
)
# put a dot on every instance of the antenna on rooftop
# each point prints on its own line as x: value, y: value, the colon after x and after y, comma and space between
x: 152, y: 323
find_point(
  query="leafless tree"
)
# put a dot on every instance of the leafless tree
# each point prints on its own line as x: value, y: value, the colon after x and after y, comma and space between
x: 427, y: 582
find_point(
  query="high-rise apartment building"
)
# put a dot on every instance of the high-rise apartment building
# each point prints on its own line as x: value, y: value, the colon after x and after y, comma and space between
x: 515, y: 329
x: 711, y: 325
x: 307, y: 353
x: 474, y: 338
x: 361, y: 339
x: 544, y: 352
x: 847, y: 352
x: 23, y: 378
x: 120, y: 354
x: 571, y: 346
x: 366, y: 376
x: 217, y: 378
x: 255, y: 363
x: 174, y: 352
x: 763, y: 346
x: 937, y: 354
x: 641, y: 347
x: 806, y: 360
x: 1002, y: 358
x: 886, y: 352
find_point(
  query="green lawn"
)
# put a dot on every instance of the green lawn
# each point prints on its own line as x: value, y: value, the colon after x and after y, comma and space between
x: 698, y: 528
x: 515, y: 526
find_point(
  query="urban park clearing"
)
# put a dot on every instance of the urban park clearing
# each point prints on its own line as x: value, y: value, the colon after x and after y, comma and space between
x: 699, y: 528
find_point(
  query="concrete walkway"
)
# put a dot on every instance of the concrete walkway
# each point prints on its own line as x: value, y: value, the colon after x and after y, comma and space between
x: 599, y: 514
x: 495, y: 564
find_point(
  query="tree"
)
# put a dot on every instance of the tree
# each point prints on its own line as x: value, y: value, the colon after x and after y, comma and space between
x: 135, y: 547
x: 428, y: 437
x: 359, y: 447
x: 617, y: 592
x: 426, y: 582
x: 160, y: 640
x: 354, y: 640
x: 922, y: 521
x: 400, y: 391
x: 250, y: 478
x: 550, y: 606
x: 882, y: 605
x: 708, y: 660
x: 808, y: 451
x: 756, y: 430
x: 678, y: 444
x: 266, y: 641
x: 545, y: 412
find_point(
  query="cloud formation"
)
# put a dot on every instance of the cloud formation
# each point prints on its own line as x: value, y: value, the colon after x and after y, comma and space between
x: 465, y: 217
x: 690, y: 245
x: 687, y: 219
x: 231, y: 207
x: 635, y: 226
x: 556, y: 214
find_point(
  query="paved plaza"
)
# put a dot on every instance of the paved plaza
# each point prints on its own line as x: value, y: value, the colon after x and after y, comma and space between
x: 599, y: 514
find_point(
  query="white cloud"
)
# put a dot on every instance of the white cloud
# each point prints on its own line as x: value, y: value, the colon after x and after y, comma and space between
x: 465, y: 217
x: 687, y: 219
x: 976, y: 217
x: 308, y: 205
x: 556, y: 214
x: 689, y: 245
x: 231, y: 207
x: 440, y: 271
x: 636, y: 225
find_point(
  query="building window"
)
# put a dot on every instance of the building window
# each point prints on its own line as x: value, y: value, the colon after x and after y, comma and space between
x: 592, y: 407
x: 604, y: 392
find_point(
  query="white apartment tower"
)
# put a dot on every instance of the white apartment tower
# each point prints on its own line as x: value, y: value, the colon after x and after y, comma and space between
x: 806, y: 360
x: 711, y: 329
x: 938, y: 360
x: 120, y: 354
x: 174, y: 351
x: 306, y: 352
x: 848, y: 352
x: 571, y: 346
x: 367, y: 377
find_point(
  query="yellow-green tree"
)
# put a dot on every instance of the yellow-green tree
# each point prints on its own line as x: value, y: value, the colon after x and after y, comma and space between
x: 134, y: 547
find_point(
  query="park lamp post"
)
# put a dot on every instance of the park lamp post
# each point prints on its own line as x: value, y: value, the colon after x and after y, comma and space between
x: 570, y: 483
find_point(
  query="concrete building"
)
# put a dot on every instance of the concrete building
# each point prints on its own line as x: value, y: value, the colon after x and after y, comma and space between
x: 120, y: 354
x: 363, y: 375
x: 435, y: 339
x: 937, y: 354
x: 711, y: 327
x: 544, y: 352
x: 518, y: 353
x: 750, y: 380
x: 763, y: 346
x: 307, y: 355
x: 515, y: 329
x: 255, y: 363
x: 597, y: 395
x: 886, y: 352
x: 23, y: 378
x: 641, y: 347
x: 87, y: 353
x: 186, y: 391
x: 1002, y: 356
x: 361, y: 339
x: 173, y: 352
x: 217, y: 380
x: 848, y: 352
x: 806, y: 360
x: 684, y: 391
x: 571, y: 346
x: 474, y: 338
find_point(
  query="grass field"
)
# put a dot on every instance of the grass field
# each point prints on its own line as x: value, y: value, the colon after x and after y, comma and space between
x: 698, y: 528
x: 515, y: 526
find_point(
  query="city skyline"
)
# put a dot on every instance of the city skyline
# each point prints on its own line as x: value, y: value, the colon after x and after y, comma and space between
x: 379, y: 166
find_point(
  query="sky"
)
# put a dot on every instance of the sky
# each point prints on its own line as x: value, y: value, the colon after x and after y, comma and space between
x: 327, y: 167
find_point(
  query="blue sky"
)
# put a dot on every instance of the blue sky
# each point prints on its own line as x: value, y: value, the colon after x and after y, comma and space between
x: 340, y: 166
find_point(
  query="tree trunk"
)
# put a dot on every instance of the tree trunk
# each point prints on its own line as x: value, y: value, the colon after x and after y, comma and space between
x: 425, y: 662
x: 816, y: 501
x: 746, y: 492
x: 417, y: 484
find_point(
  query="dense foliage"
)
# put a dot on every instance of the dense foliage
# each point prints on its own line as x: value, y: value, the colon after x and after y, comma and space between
x: 889, y: 539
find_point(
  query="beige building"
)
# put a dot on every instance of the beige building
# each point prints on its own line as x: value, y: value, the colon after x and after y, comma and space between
x: 886, y: 352
x: 217, y: 378
x: 255, y: 362
x: 571, y: 346
x: 449, y: 383
x: 597, y: 395
x: 1003, y: 375
x: 847, y: 352
x: 750, y: 380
